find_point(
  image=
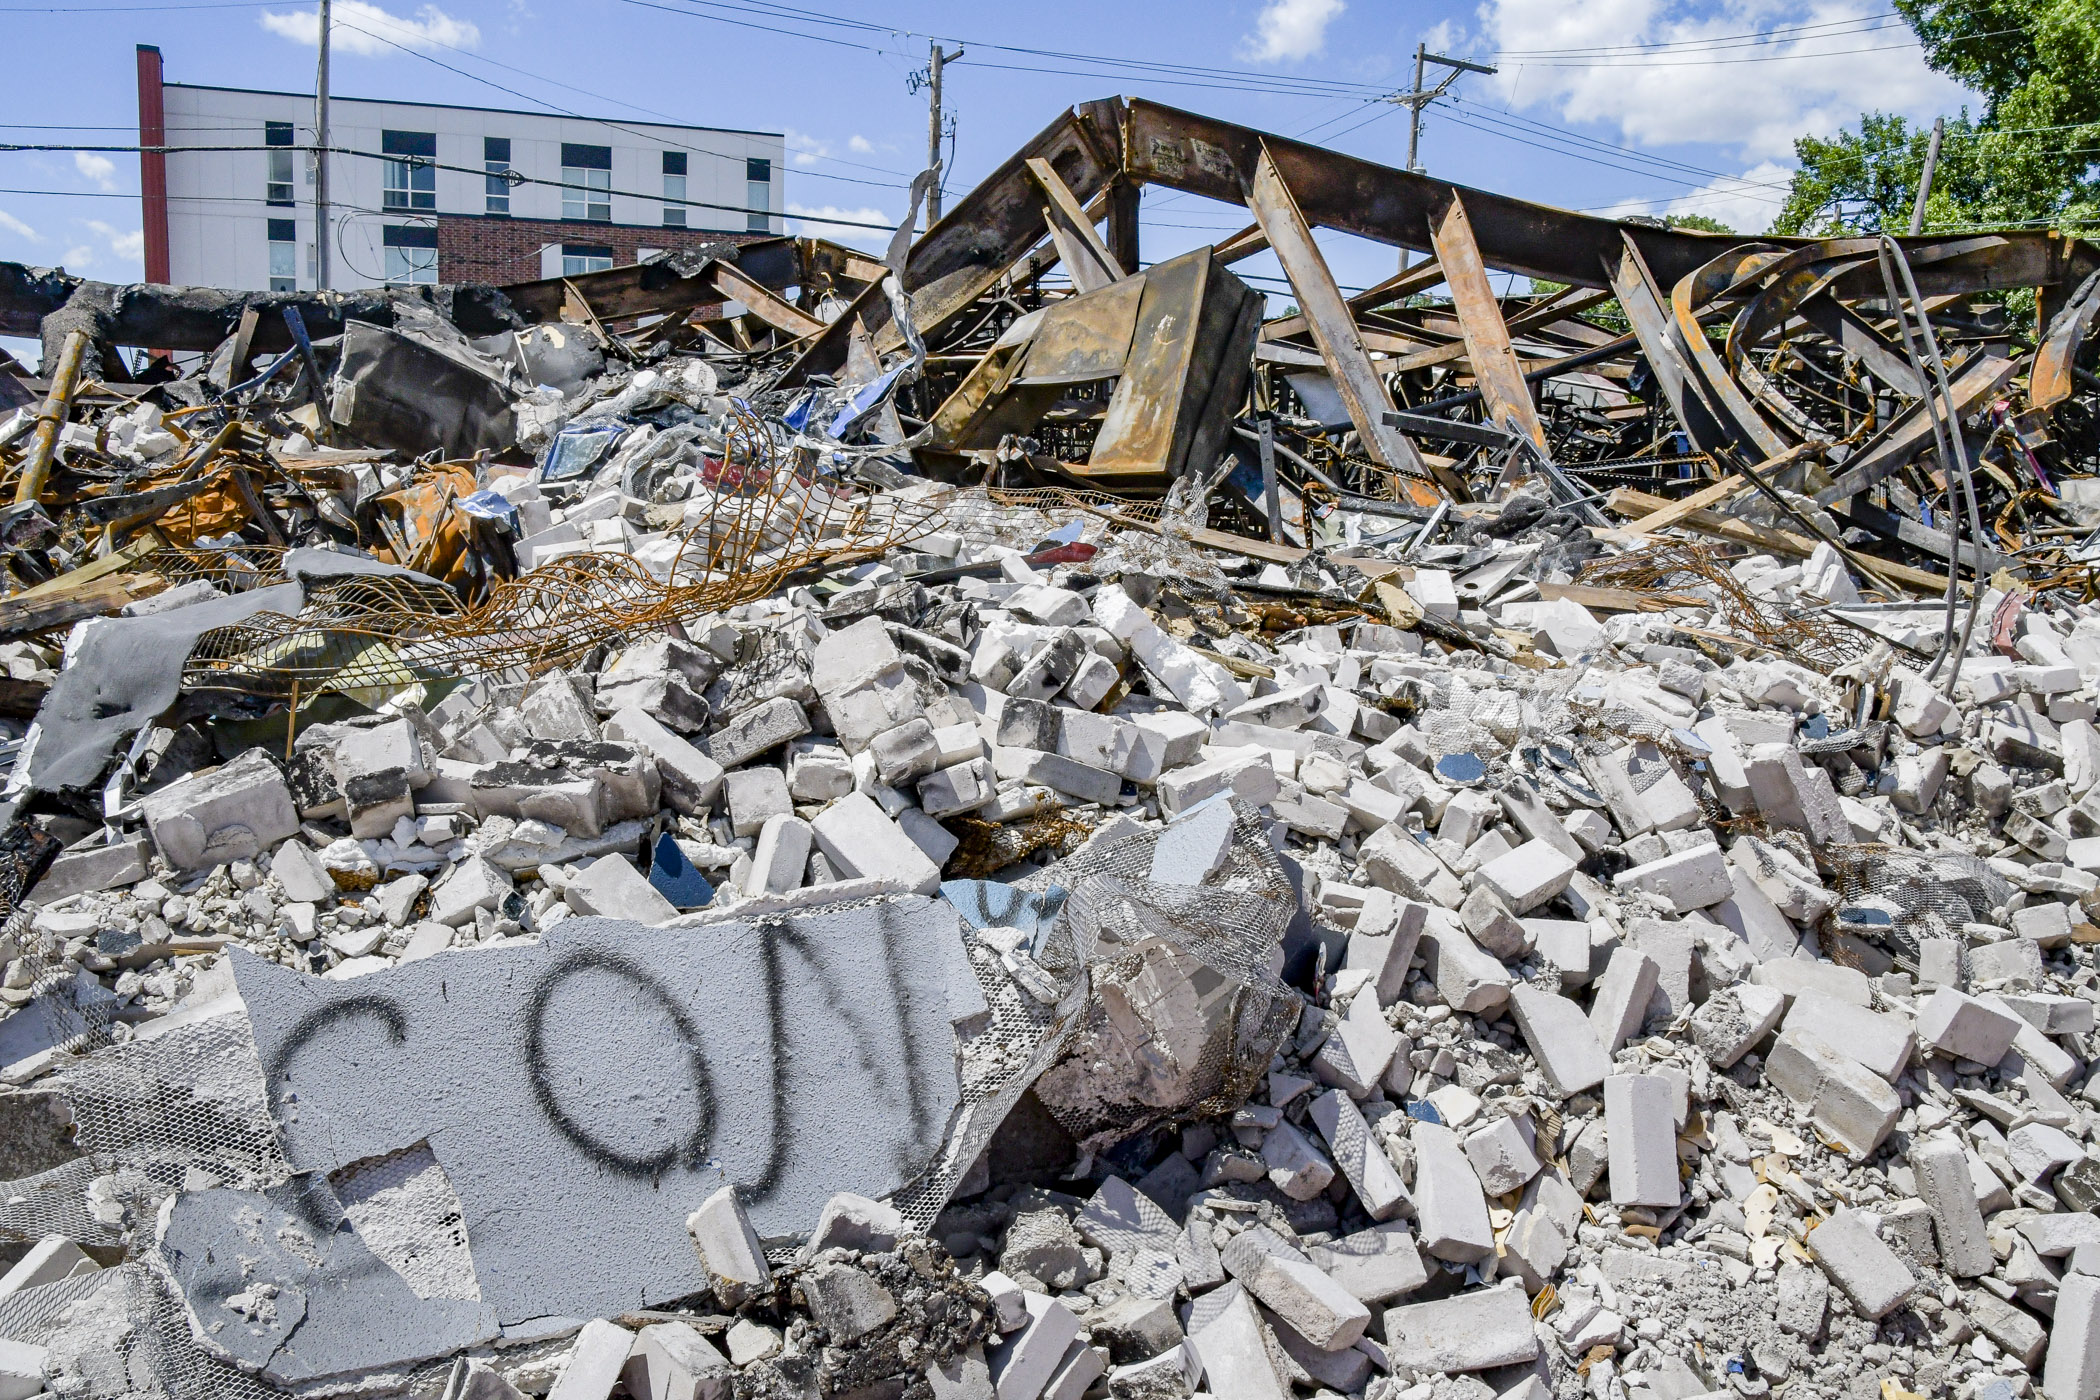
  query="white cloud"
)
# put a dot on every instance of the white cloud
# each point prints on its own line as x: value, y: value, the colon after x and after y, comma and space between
x: 1746, y: 203
x: 80, y: 255
x: 16, y: 227
x: 860, y: 145
x: 1814, y: 85
x: 125, y: 243
x: 96, y: 168
x: 805, y: 149
x: 1290, y: 29
x: 367, y: 30
x: 816, y: 215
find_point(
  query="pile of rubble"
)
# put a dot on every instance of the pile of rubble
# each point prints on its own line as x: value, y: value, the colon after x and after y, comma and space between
x: 565, y: 842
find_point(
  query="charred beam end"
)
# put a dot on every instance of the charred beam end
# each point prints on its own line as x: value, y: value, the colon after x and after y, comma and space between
x: 47, y: 302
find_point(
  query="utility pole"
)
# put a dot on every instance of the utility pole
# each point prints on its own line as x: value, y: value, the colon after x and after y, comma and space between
x: 1419, y: 98
x: 321, y: 239
x: 933, y: 128
x: 1932, y: 159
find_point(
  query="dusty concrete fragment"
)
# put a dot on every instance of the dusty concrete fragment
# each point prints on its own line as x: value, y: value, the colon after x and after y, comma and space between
x: 1858, y: 1262
x: 601, y: 1053
x: 1471, y: 1331
x: 1562, y: 1039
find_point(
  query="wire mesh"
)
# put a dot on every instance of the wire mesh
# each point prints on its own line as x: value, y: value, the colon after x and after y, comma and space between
x: 1680, y: 567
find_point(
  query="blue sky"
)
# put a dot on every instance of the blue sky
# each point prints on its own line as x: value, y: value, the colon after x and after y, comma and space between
x: 1625, y: 106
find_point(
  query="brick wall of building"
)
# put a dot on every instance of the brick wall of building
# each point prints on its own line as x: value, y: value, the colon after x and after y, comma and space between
x: 497, y: 251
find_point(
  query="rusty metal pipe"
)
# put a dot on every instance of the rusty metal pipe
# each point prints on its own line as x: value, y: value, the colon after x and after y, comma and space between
x: 36, y: 468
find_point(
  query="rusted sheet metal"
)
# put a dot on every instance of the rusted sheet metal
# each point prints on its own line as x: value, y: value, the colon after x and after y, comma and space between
x: 731, y: 282
x: 988, y: 231
x: 1494, y: 361
x: 2050, y: 382
x: 1657, y: 333
x: 1855, y: 337
x: 1177, y: 339
x: 1191, y: 350
x: 668, y: 284
x: 1693, y: 292
x: 1334, y: 329
x: 1086, y: 258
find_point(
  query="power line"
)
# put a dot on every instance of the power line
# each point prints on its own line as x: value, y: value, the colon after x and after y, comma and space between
x: 1779, y: 34
x: 513, y: 177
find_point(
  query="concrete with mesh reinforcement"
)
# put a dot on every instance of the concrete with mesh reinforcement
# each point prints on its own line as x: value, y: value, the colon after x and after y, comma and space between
x: 628, y: 1073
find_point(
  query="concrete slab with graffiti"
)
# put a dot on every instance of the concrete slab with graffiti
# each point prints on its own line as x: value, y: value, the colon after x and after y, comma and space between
x: 584, y: 1094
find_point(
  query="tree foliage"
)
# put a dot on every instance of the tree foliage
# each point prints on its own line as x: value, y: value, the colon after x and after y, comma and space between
x: 2027, y: 159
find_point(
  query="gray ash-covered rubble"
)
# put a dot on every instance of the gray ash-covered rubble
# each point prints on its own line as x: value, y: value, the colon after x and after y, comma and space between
x: 574, y: 843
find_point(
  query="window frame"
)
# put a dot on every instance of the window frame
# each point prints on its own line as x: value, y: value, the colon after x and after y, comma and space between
x: 577, y: 259
x: 401, y: 244
x: 279, y: 175
x: 282, y: 242
x: 409, y: 181
x: 496, y: 189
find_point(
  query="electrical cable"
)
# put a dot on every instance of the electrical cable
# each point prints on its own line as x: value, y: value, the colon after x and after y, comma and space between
x: 512, y: 177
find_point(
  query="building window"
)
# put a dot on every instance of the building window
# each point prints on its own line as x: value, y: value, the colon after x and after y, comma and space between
x: 284, y: 255
x: 584, y: 257
x: 411, y: 253
x: 411, y: 175
x: 495, y: 158
x: 758, y: 192
x: 586, y: 177
x: 278, y: 137
x: 674, y: 189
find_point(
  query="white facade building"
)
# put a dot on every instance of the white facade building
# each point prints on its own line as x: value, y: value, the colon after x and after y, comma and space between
x: 428, y: 202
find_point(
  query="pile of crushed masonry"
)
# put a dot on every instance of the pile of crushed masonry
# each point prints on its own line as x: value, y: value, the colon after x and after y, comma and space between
x: 687, y: 896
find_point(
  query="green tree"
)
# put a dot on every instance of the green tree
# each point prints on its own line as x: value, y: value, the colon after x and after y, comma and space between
x: 2029, y: 158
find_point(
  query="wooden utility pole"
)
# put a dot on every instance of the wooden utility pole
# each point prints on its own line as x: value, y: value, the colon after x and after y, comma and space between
x: 1419, y: 97
x: 1932, y: 159
x: 321, y: 239
x: 933, y: 128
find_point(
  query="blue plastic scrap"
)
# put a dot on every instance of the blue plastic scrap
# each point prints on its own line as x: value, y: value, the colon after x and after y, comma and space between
x: 675, y: 878
x: 578, y: 449
x: 865, y: 400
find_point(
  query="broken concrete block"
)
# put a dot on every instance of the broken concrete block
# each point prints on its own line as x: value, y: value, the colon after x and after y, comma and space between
x: 691, y: 779
x: 857, y: 1223
x: 594, y: 1363
x: 84, y: 869
x: 1502, y: 1154
x: 1528, y: 876
x: 1467, y: 977
x: 1023, y: 1364
x: 471, y: 885
x: 1882, y: 1042
x: 846, y: 1303
x: 964, y: 787
x: 1786, y: 794
x: 1470, y: 1331
x: 231, y: 813
x: 852, y: 656
x: 860, y: 842
x: 729, y: 1247
x: 1375, y: 1265
x: 1450, y: 1207
x: 1232, y: 1346
x: 1731, y: 1022
x: 612, y: 888
x: 756, y: 730
x: 50, y: 1259
x: 1641, y: 1124
x: 1850, y: 1102
x: 1194, y: 846
x: 672, y: 1361
x: 1316, y: 1307
x: 2072, y: 1369
x: 781, y: 856
x: 1295, y: 1166
x: 1858, y: 1262
x: 1355, y: 1055
x: 1561, y: 1037
x: 1396, y: 861
x: 1684, y: 880
x: 1358, y: 1154
x: 1621, y: 1001
x: 1965, y: 1028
